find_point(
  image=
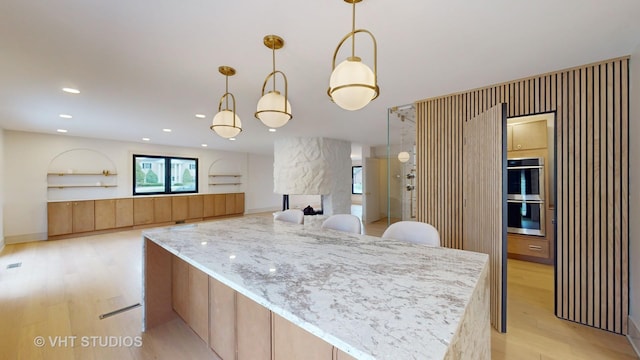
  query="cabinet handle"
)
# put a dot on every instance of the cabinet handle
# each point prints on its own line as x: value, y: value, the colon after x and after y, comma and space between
x: 518, y: 146
x: 535, y: 247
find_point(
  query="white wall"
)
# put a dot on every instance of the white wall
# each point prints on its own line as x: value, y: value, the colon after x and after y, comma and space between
x: 28, y: 157
x: 634, y: 201
x: 260, y: 197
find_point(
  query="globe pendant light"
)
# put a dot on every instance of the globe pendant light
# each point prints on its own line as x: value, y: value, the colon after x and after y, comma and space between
x: 274, y: 109
x: 353, y: 84
x: 403, y: 156
x: 226, y: 123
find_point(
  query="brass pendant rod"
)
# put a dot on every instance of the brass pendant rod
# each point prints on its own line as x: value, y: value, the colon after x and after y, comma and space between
x: 273, y: 61
x: 353, y: 30
x: 226, y: 91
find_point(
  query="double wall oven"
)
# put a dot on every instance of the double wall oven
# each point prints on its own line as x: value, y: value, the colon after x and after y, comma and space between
x: 525, y: 196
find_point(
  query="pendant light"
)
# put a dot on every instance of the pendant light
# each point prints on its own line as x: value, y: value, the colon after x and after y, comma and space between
x: 403, y: 156
x: 274, y: 109
x: 226, y: 123
x: 352, y: 84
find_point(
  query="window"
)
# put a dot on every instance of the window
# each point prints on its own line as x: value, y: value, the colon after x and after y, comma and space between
x: 356, y: 180
x: 150, y: 175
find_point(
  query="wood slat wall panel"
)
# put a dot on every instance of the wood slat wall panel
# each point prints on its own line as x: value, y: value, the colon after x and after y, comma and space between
x: 591, y: 104
x: 484, y: 156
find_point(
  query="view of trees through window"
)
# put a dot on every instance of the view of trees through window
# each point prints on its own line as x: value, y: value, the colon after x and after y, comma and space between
x: 151, y: 175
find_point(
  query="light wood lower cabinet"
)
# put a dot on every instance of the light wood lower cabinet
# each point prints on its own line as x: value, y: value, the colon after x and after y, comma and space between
x: 124, y: 212
x: 292, y: 342
x: 69, y: 217
x: 222, y: 319
x: 161, y: 209
x: 230, y: 204
x: 180, y: 287
x: 208, y: 205
x: 143, y: 211
x: 59, y: 218
x: 179, y: 208
x: 105, y: 214
x: 253, y: 323
x: 239, y: 203
x: 236, y: 327
x: 220, y: 205
x: 195, y: 207
x: 199, y: 302
x: 83, y: 216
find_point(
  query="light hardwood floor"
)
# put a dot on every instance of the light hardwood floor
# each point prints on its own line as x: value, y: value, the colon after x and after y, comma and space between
x: 63, y: 286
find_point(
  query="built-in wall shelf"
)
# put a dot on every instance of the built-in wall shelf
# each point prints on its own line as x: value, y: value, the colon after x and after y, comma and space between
x: 80, y: 186
x: 104, y: 173
x: 219, y: 179
x: 81, y: 179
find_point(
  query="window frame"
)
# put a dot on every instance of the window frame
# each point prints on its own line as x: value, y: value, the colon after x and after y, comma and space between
x: 353, y: 182
x: 168, y: 160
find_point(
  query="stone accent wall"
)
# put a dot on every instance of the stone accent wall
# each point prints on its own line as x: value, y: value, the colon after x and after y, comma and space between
x: 314, y: 166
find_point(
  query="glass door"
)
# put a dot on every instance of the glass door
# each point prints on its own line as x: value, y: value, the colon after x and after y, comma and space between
x: 401, y: 163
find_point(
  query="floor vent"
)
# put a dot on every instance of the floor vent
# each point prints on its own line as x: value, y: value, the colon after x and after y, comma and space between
x: 115, y: 312
x: 14, y: 265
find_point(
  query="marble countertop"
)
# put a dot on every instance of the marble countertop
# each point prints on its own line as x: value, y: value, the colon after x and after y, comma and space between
x: 370, y: 297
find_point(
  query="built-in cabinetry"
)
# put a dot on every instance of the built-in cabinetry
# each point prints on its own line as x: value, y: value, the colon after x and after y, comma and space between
x: 531, y: 139
x: 527, y: 136
x: 113, y: 213
x: 236, y: 327
x: 66, y: 218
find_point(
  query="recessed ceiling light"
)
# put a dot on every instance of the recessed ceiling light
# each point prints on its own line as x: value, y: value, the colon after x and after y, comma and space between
x: 71, y: 90
x: 66, y: 116
x: 201, y: 116
x: 232, y: 139
x: 166, y: 130
x: 145, y: 139
x: 204, y: 145
x: 272, y: 130
x: 62, y: 130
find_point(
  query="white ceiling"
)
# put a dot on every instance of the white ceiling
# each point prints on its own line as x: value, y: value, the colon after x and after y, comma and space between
x: 145, y: 65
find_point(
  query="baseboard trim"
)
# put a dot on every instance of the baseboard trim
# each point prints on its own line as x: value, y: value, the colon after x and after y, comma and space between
x: 634, y: 336
x: 19, y: 239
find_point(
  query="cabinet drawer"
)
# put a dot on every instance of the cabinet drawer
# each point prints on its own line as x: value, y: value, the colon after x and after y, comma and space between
x: 530, y: 247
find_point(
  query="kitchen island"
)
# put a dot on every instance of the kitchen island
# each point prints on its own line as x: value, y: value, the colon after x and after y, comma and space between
x: 254, y: 288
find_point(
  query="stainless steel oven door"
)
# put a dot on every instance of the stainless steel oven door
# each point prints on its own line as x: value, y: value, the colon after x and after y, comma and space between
x: 525, y: 217
x: 525, y: 183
